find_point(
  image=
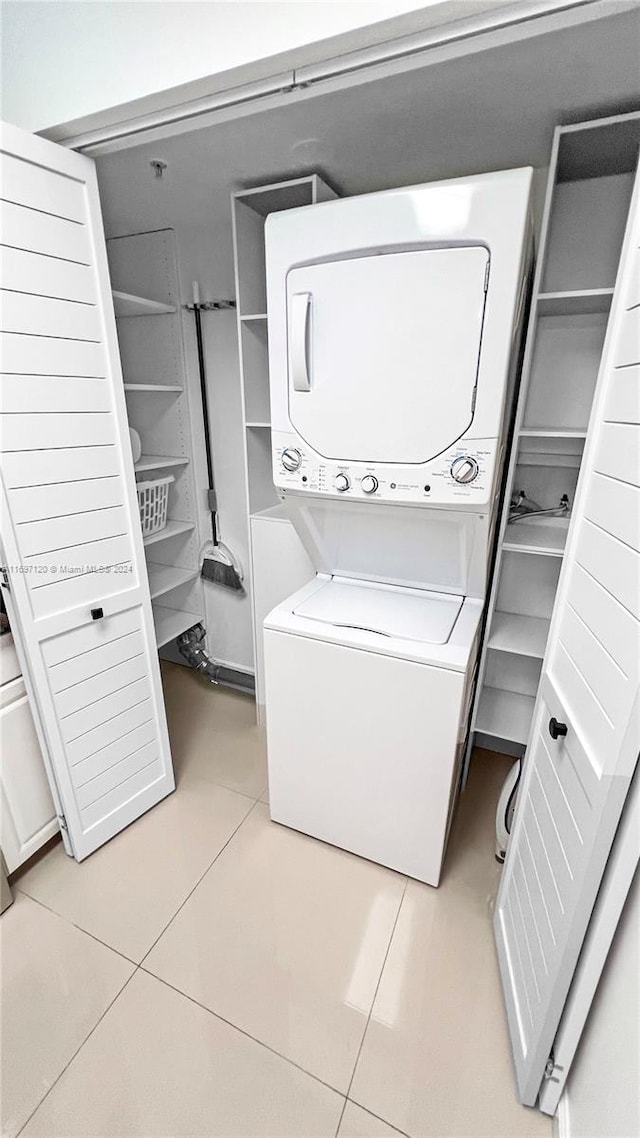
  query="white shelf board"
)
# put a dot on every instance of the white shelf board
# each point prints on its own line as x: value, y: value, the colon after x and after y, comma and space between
x: 272, y: 514
x: 537, y: 536
x: 522, y: 635
x: 164, y: 578
x: 552, y: 433
x: 548, y: 458
x: 575, y: 302
x: 169, y: 623
x: 166, y: 387
x: 125, y: 304
x: 550, y: 448
x: 264, y: 426
x: 172, y: 529
x: 505, y: 714
x: 253, y: 316
x: 158, y: 461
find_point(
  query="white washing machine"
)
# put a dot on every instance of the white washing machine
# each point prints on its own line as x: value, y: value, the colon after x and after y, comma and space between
x: 392, y: 323
x: 365, y: 750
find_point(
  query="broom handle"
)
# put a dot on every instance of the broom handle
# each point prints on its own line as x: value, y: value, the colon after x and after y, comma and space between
x: 211, y: 497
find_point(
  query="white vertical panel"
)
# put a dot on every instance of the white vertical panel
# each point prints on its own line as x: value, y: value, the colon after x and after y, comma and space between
x: 574, y: 787
x: 70, y: 524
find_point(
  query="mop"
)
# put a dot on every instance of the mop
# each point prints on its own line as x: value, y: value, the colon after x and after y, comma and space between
x: 222, y: 568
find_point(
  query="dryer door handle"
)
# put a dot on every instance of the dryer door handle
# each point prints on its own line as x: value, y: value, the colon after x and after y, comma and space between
x: 299, y: 316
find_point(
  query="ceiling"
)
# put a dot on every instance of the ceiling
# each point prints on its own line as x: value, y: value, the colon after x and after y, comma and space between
x: 490, y: 110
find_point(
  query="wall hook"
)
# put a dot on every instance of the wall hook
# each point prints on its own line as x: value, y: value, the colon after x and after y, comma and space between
x: 158, y: 167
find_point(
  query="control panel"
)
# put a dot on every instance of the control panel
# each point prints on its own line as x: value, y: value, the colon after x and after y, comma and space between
x: 462, y: 474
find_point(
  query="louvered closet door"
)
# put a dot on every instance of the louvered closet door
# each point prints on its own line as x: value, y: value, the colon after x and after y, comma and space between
x: 70, y: 526
x: 575, y: 785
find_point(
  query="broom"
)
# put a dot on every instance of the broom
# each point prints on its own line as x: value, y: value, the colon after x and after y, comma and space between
x: 222, y: 567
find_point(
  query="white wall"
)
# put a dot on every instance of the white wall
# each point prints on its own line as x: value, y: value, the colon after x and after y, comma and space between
x: 603, y: 1096
x: 68, y: 58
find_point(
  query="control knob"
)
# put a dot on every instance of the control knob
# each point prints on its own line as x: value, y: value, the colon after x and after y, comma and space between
x: 464, y: 469
x: 291, y: 459
x: 342, y: 482
x: 369, y: 483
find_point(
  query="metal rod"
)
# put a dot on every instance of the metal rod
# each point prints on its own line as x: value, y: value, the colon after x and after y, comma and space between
x: 205, y: 414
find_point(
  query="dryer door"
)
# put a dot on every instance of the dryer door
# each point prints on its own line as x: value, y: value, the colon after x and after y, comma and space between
x: 383, y: 352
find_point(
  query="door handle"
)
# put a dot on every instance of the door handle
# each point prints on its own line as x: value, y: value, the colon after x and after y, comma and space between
x: 300, y: 307
x: 97, y: 614
x: 557, y: 729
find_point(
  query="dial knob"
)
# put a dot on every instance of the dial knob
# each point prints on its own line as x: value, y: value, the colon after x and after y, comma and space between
x: 369, y: 483
x: 464, y: 469
x: 291, y: 458
x: 342, y: 482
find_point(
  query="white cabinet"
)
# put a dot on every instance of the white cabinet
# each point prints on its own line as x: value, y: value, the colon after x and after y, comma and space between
x: 27, y: 814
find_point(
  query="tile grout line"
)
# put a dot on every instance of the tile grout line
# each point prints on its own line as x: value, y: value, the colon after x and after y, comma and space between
x: 140, y: 968
x: 78, y: 1049
x: 180, y: 776
x: 123, y: 955
x: 200, y: 879
x: 380, y: 1119
x: 366, y: 1026
x: 78, y: 928
x: 137, y: 967
x: 244, y: 1032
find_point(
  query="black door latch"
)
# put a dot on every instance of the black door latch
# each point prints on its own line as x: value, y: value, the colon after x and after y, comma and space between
x: 557, y: 729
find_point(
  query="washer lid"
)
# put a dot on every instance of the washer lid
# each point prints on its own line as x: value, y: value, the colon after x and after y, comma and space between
x: 389, y: 610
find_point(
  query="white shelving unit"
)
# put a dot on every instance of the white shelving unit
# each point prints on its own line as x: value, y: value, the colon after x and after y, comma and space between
x: 143, y: 265
x: 170, y: 622
x: 249, y: 210
x: 159, y: 462
x: 587, y: 201
x: 126, y: 305
x: 537, y: 536
x: 504, y: 714
x: 574, y: 302
x: 519, y: 634
x: 166, y: 388
x: 164, y: 578
x: 172, y: 529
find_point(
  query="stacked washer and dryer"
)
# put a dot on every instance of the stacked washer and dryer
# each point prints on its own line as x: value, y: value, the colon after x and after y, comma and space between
x: 393, y: 322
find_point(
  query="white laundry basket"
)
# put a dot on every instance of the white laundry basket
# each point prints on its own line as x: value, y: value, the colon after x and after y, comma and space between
x: 153, y: 500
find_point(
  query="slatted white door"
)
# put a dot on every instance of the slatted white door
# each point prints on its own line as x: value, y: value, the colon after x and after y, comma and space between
x: 70, y: 529
x: 575, y: 784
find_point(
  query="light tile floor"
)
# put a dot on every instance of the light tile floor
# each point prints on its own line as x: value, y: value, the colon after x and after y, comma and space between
x: 208, y: 973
